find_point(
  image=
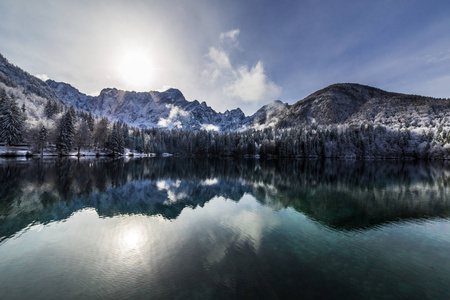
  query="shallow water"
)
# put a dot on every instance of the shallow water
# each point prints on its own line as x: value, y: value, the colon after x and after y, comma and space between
x: 224, y: 229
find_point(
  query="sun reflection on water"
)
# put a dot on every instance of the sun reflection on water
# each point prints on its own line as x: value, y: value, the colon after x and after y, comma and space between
x: 131, y: 238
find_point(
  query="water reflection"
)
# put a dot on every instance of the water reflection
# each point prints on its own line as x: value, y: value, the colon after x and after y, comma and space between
x: 224, y: 229
x: 344, y: 195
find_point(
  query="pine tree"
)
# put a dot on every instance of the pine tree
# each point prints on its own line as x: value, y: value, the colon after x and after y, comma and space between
x: 73, y: 114
x: 115, y: 142
x: 100, y: 133
x: 11, y: 120
x: 66, y: 134
x: 43, y: 135
x: 90, y: 121
x: 82, y: 135
x: 50, y: 109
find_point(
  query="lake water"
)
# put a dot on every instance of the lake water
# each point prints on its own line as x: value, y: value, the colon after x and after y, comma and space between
x: 224, y: 229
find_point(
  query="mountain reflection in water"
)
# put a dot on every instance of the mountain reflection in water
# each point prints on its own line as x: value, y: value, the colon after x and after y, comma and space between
x: 223, y: 228
x: 345, y: 195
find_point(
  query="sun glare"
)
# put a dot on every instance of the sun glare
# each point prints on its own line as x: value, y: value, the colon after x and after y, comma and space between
x: 136, y: 69
x: 132, y: 238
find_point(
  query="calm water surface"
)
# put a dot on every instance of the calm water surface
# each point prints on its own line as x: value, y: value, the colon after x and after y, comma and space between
x: 223, y: 229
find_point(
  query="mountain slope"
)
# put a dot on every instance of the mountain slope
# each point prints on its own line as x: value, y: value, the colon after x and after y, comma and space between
x: 354, y: 103
x: 31, y: 94
x: 13, y: 76
x: 268, y: 115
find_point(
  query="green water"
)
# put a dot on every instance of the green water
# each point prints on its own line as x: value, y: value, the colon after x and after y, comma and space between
x: 223, y: 229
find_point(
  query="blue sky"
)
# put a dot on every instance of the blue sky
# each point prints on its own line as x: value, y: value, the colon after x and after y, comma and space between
x: 232, y: 53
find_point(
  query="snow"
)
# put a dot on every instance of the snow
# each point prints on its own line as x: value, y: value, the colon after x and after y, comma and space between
x: 14, y: 151
x: 401, y: 125
x: 209, y: 127
x: 134, y: 153
x: 209, y: 182
x: 167, y: 109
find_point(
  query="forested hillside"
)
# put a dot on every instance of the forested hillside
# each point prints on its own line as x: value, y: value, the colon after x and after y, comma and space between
x: 342, y: 120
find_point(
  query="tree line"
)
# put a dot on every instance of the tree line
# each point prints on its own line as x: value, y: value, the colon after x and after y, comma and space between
x: 82, y: 131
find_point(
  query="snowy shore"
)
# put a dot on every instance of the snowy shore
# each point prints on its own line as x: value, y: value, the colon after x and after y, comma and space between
x: 24, y: 151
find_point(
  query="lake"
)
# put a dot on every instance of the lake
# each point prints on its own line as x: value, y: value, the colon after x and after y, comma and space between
x: 175, y: 228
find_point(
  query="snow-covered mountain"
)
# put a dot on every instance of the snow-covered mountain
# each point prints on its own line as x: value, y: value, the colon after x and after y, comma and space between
x: 340, y: 104
x: 14, y: 77
x: 168, y: 109
x: 350, y: 103
x: 267, y: 116
x: 31, y: 94
x: 346, y: 103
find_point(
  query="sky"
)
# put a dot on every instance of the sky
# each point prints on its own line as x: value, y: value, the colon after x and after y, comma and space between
x: 243, y: 53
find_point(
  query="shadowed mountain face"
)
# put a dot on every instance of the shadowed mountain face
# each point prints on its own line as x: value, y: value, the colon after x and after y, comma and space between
x: 344, y: 195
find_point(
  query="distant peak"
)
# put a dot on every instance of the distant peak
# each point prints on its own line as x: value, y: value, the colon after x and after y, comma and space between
x: 108, y: 89
x: 174, y: 93
x: 351, y: 86
x: 172, y: 90
x: 49, y: 81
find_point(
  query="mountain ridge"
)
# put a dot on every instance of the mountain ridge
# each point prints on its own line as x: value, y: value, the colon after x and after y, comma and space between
x: 150, y: 109
x: 340, y: 103
x: 350, y: 103
x: 13, y: 76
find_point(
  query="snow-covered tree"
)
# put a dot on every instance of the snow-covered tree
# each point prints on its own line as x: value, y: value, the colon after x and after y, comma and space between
x: 50, y: 109
x: 100, y: 133
x: 43, y: 135
x: 115, y: 142
x: 11, y: 120
x: 66, y: 133
x: 82, y: 135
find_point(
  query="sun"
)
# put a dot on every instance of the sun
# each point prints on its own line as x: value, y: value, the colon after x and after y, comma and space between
x: 136, y: 69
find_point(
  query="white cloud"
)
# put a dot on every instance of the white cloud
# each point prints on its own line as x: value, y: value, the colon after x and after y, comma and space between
x: 209, y: 127
x: 208, y: 182
x: 42, y: 77
x: 173, y: 120
x: 237, y: 82
x: 219, y: 58
x: 252, y: 84
x: 230, y: 37
x: 219, y: 66
x: 162, y: 185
